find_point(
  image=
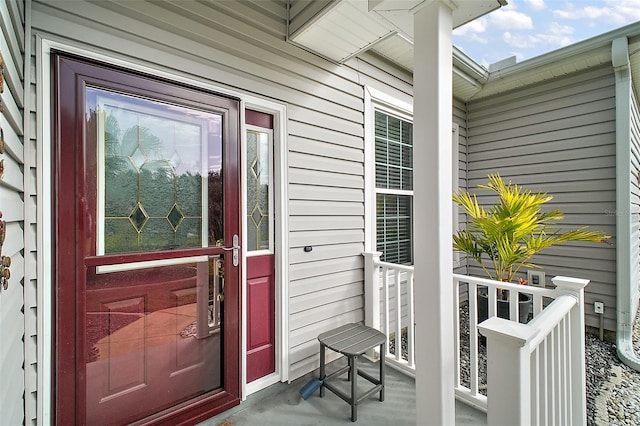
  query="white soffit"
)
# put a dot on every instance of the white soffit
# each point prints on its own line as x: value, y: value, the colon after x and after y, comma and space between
x: 343, y: 31
x: 397, y: 49
x: 634, y: 62
x: 399, y: 13
x: 346, y: 28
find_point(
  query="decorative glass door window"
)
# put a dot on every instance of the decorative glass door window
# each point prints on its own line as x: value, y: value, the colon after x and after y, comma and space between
x: 259, y: 185
x: 159, y: 181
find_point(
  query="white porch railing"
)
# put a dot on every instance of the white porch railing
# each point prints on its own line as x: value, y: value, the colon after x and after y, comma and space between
x: 548, y: 385
x: 537, y: 370
x: 389, y: 308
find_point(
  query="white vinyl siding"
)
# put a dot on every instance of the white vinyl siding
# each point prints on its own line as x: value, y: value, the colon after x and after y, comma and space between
x: 17, y: 376
x: 634, y: 209
x: 460, y: 119
x: 557, y: 137
x: 241, y: 46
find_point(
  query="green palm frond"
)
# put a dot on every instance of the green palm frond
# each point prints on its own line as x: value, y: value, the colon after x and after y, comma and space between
x: 513, y: 230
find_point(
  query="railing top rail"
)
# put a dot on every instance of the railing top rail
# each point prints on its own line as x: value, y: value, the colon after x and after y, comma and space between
x: 505, y: 285
x: 534, y: 332
x: 405, y: 268
x: 550, y: 317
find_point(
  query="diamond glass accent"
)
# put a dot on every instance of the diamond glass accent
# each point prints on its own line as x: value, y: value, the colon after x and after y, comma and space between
x: 138, y: 158
x: 175, y: 217
x: 138, y: 217
x: 258, y: 190
x: 255, y: 168
x: 159, y: 174
x: 256, y: 216
x: 175, y: 160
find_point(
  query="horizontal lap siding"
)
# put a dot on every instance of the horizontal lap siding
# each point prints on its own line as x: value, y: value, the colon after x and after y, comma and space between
x: 634, y: 209
x: 557, y: 137
x: 14, y: 392
x: 326, y: 213
x: 242, y: 45
x: 460, y: 118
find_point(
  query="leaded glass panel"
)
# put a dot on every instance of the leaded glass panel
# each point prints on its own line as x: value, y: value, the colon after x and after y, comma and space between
x: 258, y: 187
x: 159, y: 179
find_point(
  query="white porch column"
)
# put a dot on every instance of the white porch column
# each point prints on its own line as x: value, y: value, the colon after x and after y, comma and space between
x: 433, y: 260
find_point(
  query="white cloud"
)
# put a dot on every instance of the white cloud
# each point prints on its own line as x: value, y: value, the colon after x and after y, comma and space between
x: 554, y: 40
x: 474, y: 27
x: 478, y: 39
x: 558, y: 29
x: 617, y: 12
x: 556, y: 36
x: 510, y: 20
x: 520, y: 41
x: 528, y: 28
x: 536, y: 4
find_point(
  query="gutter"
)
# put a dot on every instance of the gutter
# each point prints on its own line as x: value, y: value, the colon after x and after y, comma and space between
x: 558, y: 55
x: 469, y: 67
x: 624, y: 303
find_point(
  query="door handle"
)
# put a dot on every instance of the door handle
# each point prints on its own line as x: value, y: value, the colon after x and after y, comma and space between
x: 5, y: 261
x: 236, y: 250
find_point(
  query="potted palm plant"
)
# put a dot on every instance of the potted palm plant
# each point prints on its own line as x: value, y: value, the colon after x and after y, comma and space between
x: 503, y: 238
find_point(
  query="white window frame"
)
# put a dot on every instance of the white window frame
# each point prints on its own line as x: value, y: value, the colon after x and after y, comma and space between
x: 455, y: 180
x: 376, y: 100
x: 397, y: 192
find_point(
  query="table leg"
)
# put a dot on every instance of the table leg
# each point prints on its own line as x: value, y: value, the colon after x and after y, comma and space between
x: 382, y: 371
x: 354, y: 388
x: 322, y: 373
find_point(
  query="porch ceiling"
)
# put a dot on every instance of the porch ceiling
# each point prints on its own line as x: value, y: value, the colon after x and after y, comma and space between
x: 341, y: 29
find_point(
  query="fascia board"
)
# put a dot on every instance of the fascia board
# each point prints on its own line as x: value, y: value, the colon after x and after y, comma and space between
x: 578, y: 53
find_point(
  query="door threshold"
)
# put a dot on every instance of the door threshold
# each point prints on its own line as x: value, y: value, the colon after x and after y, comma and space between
x: 260, y: 384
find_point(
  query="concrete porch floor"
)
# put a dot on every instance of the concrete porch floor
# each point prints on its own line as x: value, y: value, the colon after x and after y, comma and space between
x: 282, y: 405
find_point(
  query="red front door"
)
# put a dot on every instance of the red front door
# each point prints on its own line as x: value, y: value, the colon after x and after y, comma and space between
x: 147, y: 276
x: 261, y: 301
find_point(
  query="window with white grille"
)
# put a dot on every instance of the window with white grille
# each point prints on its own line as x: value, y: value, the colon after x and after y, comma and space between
x: 394, y: 187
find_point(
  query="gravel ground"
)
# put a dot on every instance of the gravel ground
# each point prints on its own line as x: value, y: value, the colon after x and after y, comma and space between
x: 613, y: 389
x: 615, y: 395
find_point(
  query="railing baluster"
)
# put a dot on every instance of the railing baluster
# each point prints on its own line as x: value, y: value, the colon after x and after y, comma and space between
x: 554, y: 377
x: 411, y: 322
x: 385, y: 303
x: 537, y: 304
x: 456, y: 331
x: 493, y: 295
x: 398, y: 331
x: 514, y: 296
x: 535, y: 387
x: 473, y: 338
x: 564, y: 362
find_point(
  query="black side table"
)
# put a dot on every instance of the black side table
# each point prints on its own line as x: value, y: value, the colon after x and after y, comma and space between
x: 352, y: 340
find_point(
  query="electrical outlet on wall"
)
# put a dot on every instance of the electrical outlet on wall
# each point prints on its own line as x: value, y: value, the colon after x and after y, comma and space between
x: 598, y: 307
x: 535, y: 278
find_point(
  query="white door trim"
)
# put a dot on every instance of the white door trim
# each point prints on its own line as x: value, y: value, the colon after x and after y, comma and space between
x: 44, y: 46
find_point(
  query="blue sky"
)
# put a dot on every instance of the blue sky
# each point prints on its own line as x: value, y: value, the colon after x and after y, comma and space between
x: 528, y: 28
